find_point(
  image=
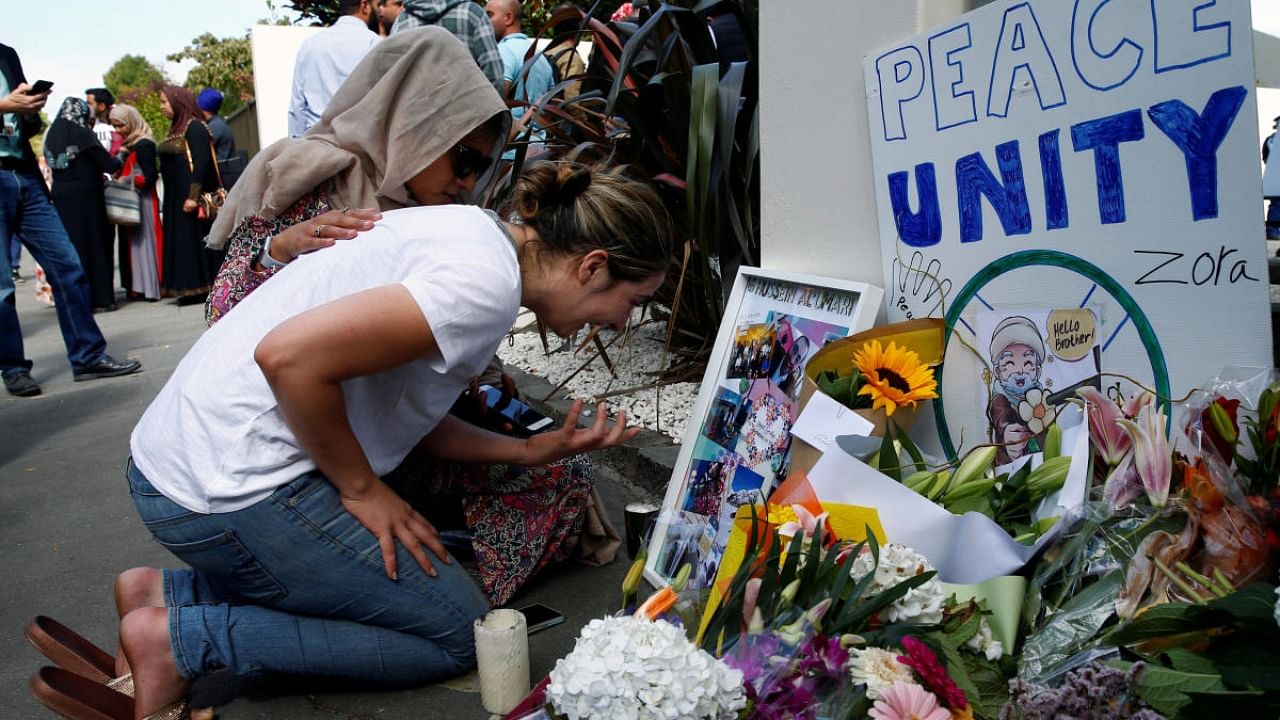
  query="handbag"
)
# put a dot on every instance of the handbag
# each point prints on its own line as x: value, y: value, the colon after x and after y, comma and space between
x: 209, y: 203
x: 124, y: 202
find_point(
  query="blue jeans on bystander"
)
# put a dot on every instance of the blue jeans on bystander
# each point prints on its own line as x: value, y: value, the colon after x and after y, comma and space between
x: 25, y: 211
x: 295, y: 584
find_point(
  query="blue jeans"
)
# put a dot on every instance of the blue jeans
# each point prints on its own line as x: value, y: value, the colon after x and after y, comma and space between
x: 15, y: 251
x: 295, y: 584
x: 25, y: 211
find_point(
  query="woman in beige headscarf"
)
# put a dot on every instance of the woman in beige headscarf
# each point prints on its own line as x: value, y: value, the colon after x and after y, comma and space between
x: 146, y: 238
x: 413, y: 103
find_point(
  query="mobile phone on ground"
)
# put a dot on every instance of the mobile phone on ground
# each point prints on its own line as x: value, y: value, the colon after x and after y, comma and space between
x: 540, y: 617
x: 524, y: 418
x: 40, y: 86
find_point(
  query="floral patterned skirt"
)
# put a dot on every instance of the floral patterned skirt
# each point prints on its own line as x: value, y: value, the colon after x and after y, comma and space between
x: 521, y: 519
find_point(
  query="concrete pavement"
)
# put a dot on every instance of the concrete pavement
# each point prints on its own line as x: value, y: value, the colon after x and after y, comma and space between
x: 67, y: 525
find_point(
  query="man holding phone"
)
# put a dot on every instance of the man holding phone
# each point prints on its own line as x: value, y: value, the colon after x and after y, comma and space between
x: 26, y: 211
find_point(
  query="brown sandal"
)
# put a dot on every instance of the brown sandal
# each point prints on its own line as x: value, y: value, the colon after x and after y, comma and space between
x: 78, y: 698
x: 70, y: 650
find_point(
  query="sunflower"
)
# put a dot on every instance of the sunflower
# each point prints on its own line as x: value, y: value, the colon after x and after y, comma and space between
x: 894, y: 376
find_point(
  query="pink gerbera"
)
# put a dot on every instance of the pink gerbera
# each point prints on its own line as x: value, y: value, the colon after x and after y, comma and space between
x: 908, y: 701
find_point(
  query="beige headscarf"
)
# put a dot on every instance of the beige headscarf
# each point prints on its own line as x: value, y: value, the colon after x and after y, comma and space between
x: 135, y: 126
x: 412, y: 98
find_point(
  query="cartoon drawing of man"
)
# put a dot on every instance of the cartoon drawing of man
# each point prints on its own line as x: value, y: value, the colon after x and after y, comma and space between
x: 1017, y: 355
x: 1017, y: 358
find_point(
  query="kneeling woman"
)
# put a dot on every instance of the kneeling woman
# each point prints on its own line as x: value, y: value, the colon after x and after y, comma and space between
x: 258, y: 464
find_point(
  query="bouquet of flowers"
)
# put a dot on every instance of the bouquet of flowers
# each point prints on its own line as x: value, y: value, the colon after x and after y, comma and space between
x: 1163, y: 583
x: 826, y: 628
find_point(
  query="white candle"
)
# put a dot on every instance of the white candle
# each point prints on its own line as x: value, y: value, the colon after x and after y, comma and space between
x: 502, y: 656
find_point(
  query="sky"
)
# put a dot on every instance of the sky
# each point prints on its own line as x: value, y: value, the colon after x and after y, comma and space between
x: 73, y: 42
x: 78, y: 40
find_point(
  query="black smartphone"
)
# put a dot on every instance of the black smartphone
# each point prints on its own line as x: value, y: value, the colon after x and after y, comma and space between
x: 524, y: 418
x: 41, y: 86
x: 540, y: 617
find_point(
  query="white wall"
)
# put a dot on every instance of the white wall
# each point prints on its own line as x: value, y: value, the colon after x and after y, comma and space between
x: 274, y: 47
x: 818, y: 212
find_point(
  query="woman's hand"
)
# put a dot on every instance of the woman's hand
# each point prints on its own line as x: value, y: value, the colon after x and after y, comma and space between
x: 189, y: 206
x: 569, y: 439
x: 391, y: 519
x: 322, y: 231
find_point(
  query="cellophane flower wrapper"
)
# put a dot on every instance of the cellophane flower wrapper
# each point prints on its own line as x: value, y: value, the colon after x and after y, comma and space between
x: 1073, y: 591
x: 1240, y: 388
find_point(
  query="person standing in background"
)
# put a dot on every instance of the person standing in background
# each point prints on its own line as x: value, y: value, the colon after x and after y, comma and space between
x: 325, y: 60
x: 187, y: 169
x: 230, y: 163
x: 513, y: 46
x: 101, y: 101
x: 388, y: 11
x: 145, y: 239
x: 25, y: 211
x: 563, y: 53
x: 1271, y: 184
x: 466, y: 21
x: 224, y: 142
x: 78, y: 163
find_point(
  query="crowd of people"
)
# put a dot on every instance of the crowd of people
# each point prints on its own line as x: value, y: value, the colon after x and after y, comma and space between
x: 325, y: 473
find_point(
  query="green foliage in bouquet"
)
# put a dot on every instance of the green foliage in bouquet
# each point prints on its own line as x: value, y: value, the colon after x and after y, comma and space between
x: 1209, y: 660
x: 1072, y: 593
x: 796, y: 580
x: 1010, y: 498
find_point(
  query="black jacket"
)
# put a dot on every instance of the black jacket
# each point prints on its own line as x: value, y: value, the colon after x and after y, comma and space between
x: 28, y: 125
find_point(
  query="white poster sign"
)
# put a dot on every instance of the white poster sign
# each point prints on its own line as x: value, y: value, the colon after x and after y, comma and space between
x: 1091, y: 154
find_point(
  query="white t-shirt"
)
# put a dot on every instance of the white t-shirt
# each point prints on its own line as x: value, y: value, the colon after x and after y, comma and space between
x: 214, y: 439
x: 103, y: 131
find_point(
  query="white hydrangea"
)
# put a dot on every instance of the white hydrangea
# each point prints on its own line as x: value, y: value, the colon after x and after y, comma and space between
x: 878, y: 669
x: 983, y: 642
x: 921, y: 604
x: 628, y: 668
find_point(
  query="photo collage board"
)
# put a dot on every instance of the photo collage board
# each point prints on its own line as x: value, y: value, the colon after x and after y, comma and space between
x: 737, y: 449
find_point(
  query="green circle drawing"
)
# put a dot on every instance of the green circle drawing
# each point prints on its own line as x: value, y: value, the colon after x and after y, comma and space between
x: 1054, y: 258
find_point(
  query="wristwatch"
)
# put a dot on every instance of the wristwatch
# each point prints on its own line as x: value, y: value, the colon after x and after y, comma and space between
x: 265, y: 258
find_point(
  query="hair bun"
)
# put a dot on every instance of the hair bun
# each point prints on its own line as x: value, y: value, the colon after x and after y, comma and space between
x: 572, y: 180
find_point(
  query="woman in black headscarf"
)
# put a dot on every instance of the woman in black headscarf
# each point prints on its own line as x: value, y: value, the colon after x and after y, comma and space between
x: 78, y: 162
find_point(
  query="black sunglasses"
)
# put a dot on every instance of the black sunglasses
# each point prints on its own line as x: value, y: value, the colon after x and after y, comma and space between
x: 469, y: 161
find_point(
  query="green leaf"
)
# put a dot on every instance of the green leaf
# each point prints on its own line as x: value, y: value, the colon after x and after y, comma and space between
x: 889, y: 461
x: 1186, y: 661
x: 1166, y: 690
x: 909, y: 445
x: 1168, y: 619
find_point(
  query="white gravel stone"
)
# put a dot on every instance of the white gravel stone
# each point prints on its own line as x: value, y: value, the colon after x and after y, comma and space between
x: 637, y: 359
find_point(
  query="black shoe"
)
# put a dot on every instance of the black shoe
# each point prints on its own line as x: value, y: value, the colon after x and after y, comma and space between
x: 105, y: 309
x: 21, y: 384
x: 106, y: 367
x: 17, y: 277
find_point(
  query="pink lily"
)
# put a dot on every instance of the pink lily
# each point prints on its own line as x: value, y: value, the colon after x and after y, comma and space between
x: 1104, y: 429
x: 812, y: 525
x: 750, y: 597
x: 1122, y: 485
x: 1152, y: 458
